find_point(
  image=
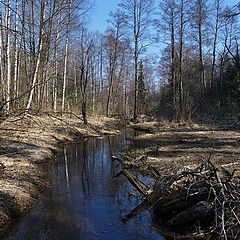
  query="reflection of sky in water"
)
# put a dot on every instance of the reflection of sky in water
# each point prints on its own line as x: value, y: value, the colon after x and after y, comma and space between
x: 86, y: 202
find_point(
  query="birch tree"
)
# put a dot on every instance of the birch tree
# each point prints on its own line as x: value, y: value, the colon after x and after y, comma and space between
x: 181, y: 42
x: 39, y: 55
x: 8, y: 33
x: 16, y: 55
x: 1, y: 55
x: 66, y: 54
x: 112, y: 44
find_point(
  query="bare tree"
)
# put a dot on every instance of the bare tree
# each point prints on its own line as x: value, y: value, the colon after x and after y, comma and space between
x: 168, y: 32
x: 112, y: 45
x: 200, y: 26
x: 8, y: 92
x: 139, y: 15
x: 66, y: 54
x: 16, y: 55
x: 40, y: 48
x: 216, y: 27
x: 182, y: 10
x: 86, y: 42
x: 55, y: 78
x: 1, y: 55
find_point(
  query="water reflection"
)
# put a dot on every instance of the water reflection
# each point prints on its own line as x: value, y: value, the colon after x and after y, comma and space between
x: 85, y: 201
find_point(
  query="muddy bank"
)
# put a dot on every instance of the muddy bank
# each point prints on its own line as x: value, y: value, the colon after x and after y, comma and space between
x: 27, y: 144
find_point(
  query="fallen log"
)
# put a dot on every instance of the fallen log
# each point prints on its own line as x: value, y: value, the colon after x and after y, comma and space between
x: 170, y: 234
x: 139, y: 185
x: 124, y: 164
x: 175, y: 202
x: 137, y: 210
x: 114, y: 158
x: 192, y: 215
x: 154, y: 171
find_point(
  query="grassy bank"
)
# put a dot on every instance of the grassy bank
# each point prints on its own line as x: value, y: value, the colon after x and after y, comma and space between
x: 27, y: 144
x: 171, y: 148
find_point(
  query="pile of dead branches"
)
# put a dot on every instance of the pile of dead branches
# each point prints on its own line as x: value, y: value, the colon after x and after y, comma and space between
x: 199, y: 204
x: 205, y: 200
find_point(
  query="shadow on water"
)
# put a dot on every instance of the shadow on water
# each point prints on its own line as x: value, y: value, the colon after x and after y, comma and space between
x: 85, y: 201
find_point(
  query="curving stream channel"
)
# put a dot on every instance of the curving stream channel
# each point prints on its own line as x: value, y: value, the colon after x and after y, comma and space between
x: 85, y: 202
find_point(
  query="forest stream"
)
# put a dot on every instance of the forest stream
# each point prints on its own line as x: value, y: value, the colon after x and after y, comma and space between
x: 85, y: 201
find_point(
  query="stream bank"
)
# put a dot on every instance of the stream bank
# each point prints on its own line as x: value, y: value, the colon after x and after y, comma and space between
x: 172, y: 147
x: 196, y: 168
x: 27, y: 143
x: 86, y: 200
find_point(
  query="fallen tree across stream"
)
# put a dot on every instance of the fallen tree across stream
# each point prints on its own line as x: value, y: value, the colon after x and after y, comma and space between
x: 199, y: 204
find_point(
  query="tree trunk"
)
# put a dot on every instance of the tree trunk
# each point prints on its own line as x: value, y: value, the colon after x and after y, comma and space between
x: 109, y: 91
x: 55, y: 79
x: 137, y: 25
x: 1, y: 58
x: 66, y: 56
x: 16, y: 56
x: 135, y: 113
x: 84, y: 111
x: 173, y: 80
x: 8, y: 97
x: 216, y: 29
x: 180, y: 83
x: 200, y: 46
x: 35, y: 75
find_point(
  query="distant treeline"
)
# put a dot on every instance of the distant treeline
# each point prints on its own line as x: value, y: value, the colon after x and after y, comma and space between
x: 50, y: 61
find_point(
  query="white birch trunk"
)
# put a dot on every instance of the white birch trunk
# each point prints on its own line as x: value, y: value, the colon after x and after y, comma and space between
x: 66, y: 57
x: 56, y: 67
x: 65, y: 73
x: 15, y: 90
x: 75, y: 81
x: 38, y: 61
x: 8, y: 55
x: 1, y: 54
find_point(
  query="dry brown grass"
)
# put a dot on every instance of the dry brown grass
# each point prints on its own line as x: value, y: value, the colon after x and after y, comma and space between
x: 26, y: 143
x: 177, y: 148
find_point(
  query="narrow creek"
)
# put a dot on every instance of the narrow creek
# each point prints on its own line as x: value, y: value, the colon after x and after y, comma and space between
x: 85, y: 202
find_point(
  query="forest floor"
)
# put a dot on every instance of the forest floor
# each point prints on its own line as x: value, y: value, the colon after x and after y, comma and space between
x: 171, y: 148
x: 27, y: 143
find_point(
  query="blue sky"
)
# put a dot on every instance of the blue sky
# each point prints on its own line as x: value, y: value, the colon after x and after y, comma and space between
x: 100, y: 13
x: 103, y: 7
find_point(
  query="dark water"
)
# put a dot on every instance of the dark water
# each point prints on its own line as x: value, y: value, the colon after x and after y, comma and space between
x: 85, y: 201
